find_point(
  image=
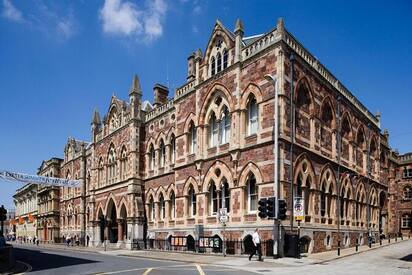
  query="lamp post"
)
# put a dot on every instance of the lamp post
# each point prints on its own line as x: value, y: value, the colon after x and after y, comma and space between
x: 276, y: 183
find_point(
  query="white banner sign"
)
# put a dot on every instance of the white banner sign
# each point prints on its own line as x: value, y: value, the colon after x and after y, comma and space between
x: 299, y: 210
x: 6, y: 175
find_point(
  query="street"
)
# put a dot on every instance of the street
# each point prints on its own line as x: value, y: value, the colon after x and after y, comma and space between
x: 392, y: 259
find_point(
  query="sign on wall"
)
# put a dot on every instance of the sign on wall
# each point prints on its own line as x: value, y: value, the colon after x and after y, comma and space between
x: 298, y: 209
x: 12, y: 176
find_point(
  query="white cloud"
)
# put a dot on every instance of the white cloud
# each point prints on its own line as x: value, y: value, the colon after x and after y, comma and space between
x: 65, y: 28
x: 11, y: 12
x: 126, y: 19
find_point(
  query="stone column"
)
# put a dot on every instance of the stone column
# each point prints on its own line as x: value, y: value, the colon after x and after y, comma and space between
x: 120, y: 230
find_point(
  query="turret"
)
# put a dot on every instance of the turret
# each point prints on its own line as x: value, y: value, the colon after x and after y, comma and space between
x: 96, y: 123
x: 191, y: 67
x: 198, y: 60
x: 238, y: 40
x: 135, y: 97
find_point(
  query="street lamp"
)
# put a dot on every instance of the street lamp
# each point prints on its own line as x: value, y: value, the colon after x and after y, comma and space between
x: 276, y: 183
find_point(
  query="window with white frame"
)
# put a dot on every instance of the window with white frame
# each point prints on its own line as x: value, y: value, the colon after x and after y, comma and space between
x: 252, y: 109
x: 407, y: 172
x: 406, y: 221
x: 173, y: 205
x: 213, y: 131
x: 162, y: 212
x: 252, y: 193
x: 192, y: 138
x: 225, y: 126
x: 192, y: 202
x: 225, y: 58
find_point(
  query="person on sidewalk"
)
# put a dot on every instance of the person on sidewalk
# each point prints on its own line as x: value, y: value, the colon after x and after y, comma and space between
x: 257, y: 247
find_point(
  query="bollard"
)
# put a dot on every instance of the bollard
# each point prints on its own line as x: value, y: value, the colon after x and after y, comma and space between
x: 396, y: 238
x: 389, y: 239
x: 357, y: 245
x: 402, y: 237
x: 339, y: 248
x: 380, y: 241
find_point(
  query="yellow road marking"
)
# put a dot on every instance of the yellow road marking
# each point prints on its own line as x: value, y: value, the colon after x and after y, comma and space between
x: 199, y: 269
x: 147, y: 271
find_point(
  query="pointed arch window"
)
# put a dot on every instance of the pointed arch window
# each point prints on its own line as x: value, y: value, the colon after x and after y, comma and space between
x: 253, y: 114
x: 100, y: 173
x: 111, y: 163
x: 213, y: 130
x: 151, y: 209
x: 225, y: 58
x: 173, y: 205
x: 172, y: 149
x: 123, y: 164
x: 162, y: 212
x: 192, y: 138
x: 152, y: 157
x: 162, y: 150
x: 213, y: 66
x: 192, y: 202
x: 225, y: 126
x: 252, y: 193
x: 219, y: 62
x: 213, y: 199
x: 225, y: 195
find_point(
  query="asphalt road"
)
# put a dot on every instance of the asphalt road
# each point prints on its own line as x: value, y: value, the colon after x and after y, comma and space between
x: 53, y: 261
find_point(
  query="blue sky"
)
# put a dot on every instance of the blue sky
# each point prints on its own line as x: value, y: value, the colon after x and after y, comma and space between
x: 61, y: 59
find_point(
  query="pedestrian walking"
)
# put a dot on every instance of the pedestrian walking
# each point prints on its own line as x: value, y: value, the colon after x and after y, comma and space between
x: 257, y: 245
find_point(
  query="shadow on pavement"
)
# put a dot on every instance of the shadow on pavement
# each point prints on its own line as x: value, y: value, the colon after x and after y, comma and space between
x: 407, y: 258
x: 42, y: 261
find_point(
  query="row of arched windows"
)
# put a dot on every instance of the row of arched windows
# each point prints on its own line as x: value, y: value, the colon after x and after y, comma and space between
x: 220, y: 62
x: 162, y: 155
x: 218, y: 196
x: 113, y: 172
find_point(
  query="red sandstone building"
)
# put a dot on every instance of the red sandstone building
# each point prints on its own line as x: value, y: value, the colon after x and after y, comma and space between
x: 162, y: 172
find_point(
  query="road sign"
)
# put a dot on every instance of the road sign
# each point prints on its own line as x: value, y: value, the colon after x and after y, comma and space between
x: 223, y: 218
x: 298, y: 209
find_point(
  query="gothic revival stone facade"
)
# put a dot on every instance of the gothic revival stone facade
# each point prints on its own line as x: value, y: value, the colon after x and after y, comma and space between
x: 164, y: 170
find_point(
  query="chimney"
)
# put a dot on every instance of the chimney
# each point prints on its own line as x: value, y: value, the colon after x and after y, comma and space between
x: 160, y: 95
x: 191, y: 67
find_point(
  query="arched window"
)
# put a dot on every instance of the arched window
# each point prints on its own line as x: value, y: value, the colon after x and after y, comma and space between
x: 152, y: 157
x: 172, y: 149
x: 299, y: 186
x: 225, y: 126
x: 123, y: 164
x: 225, y: 58
x: 406, y: 221
x: 213, y: 199
x: 219, y: 62
x: 253, y: 114
x: 162, y: 150
x: 151, y: 209
x: 213, y: 131
x: 327, y: 115
x: 252, y: 193
x: 192, y: 138
x: 407, y: 193
x: 162, y: 212
x: 192, y: 202
x: 172, y: 205
x: 111, y: 163
x: 100, y: 173
x: 225, y: 195
x: 213, y: 66
x: 323, y: 200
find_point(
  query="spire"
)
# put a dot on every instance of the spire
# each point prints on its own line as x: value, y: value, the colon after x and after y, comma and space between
x: 96, y: 117
x: 280, y: 25
x: 135, y: 88
x: 198, y: 54
x: 239, y: 26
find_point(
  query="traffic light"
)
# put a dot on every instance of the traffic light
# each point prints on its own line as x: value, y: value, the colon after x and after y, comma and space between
x: 282, y: 210
x: 3, y: 213
x: 271, y: 203
x: 263, y: 208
